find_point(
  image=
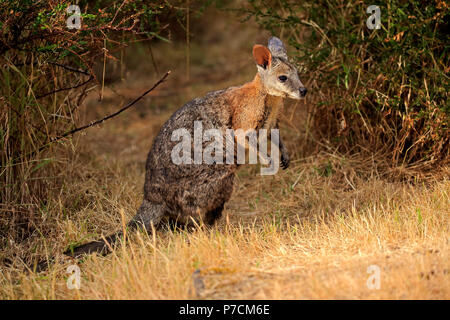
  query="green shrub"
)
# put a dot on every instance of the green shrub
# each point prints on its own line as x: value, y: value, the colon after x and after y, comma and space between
x: 383, y: 91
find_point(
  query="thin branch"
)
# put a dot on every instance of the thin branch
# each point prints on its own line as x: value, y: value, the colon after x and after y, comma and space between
x: 97, y: 122
x: 65, y: 89
x: 69, y: 68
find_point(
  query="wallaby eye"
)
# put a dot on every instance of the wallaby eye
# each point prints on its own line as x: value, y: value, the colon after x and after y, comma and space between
x: 282, y: 78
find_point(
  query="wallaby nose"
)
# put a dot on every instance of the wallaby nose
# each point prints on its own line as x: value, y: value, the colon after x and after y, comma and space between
x: 303, y: 92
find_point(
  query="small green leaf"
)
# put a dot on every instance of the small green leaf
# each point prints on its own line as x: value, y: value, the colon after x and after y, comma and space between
x: 419, y: 216
x: 41, y: 164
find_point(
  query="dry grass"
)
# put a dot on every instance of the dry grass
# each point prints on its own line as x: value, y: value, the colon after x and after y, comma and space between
x: 306, y: 233
x: 312, y: 242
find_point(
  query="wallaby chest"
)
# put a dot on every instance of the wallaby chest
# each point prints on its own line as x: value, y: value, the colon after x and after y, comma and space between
x: 273, y: 107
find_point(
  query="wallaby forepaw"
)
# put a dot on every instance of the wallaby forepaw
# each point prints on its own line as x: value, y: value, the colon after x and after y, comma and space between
x: 285, y: 161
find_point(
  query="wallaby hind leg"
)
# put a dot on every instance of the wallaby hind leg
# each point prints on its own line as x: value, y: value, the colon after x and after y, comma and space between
x: 147, y: 215
x: 212, y: 216
x: 209, y: 220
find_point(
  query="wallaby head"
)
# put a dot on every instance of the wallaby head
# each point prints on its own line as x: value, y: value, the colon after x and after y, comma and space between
x: 279, y: 77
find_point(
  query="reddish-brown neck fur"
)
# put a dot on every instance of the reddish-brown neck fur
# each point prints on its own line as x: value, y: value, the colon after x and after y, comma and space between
x: 247, y: 104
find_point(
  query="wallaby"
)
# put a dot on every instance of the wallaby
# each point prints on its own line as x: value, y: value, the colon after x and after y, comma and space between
x: 188, y: 193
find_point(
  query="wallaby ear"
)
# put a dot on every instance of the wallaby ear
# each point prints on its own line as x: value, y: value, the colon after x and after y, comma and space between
x: 262, y: 55
x: 277, y: 48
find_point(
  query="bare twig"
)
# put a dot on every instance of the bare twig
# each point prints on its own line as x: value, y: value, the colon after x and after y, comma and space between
x: 65, y: 89
x: 97, y: 122
x: 69, y: 68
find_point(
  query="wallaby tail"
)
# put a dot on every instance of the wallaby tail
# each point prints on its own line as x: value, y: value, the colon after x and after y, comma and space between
x: 148, y: 216
x: 101, y: 246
